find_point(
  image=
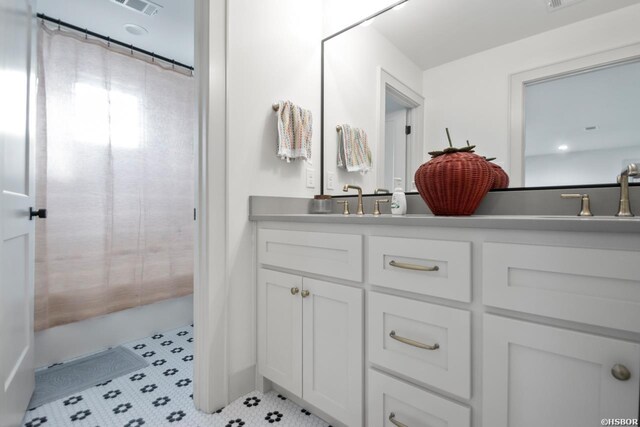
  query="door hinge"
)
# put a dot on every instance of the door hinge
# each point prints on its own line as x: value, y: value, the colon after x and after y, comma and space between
x: 407, y: 130
x: 194, y: 214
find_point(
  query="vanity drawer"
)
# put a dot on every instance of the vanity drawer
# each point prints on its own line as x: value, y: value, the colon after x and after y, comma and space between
x: 430, y: 267
x: 398, y: 327
x: 329, y: 254
x: 593, y: 286
x: 410, y: 405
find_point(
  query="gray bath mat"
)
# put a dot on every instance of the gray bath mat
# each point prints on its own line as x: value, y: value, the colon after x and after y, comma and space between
x: 77, y: 375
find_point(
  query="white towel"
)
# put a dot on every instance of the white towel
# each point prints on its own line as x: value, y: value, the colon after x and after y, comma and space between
x: 353, y: 150
x: 295, y: 128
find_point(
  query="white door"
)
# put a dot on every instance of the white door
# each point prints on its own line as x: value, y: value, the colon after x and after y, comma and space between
x: 17, y: 185
x: 537, y: 375
x: 333, y: 349
x: 280, y: 329
x: 395, y: 140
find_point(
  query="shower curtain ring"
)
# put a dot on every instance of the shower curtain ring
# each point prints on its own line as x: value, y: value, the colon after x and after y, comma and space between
x: 85, y: 34
x: 58, y: 24
x: 108, y: 41
x: 173, y: 64
x: 153, y: 57
x: 131, y: 48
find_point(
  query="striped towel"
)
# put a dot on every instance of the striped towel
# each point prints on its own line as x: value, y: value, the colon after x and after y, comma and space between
x: 295, y: 126
x: 353, y: 150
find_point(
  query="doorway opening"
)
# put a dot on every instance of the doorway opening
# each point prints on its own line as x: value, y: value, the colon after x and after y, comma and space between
x: 401, y: 133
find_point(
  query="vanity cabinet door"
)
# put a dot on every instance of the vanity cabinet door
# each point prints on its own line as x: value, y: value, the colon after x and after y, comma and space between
x: 280, y: 329
x: 333, y: 350
x: 537, y: 375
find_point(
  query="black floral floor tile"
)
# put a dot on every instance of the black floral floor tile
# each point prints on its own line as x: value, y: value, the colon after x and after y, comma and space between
x: 160, y: 395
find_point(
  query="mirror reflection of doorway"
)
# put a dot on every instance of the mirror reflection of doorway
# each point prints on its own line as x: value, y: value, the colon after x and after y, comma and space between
x: 397, y: 136
x: 582, y: 127
x: 400, y: 150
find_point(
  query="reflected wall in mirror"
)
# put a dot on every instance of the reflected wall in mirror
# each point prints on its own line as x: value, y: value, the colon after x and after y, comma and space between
x: 480, y: 68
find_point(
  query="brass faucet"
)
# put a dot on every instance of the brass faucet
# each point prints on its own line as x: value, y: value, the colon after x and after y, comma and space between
x: 376, y: 208
x: 624, y: 208
x: 355, y: 187
x: 345, y: 207
x: 585, y: 207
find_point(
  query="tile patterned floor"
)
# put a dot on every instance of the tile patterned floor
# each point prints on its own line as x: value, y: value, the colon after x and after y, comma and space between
x: 161, y: 395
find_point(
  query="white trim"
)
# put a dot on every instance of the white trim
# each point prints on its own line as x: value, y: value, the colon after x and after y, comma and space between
x: 549, y: 72
x: 416, y: 118
x: 211, y: 380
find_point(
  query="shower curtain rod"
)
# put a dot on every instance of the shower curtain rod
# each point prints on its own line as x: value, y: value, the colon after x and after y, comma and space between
x: 61, y: 23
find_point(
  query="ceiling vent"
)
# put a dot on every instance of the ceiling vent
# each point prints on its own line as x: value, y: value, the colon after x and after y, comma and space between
x: 553, y: 5
x: 142, y: 6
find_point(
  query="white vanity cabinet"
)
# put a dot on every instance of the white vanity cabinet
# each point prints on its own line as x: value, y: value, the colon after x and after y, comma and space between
x: 310, y: 341
x: 536, y: 375
x: 514, y: 328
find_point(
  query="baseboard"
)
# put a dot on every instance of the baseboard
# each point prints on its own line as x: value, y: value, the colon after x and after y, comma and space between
x: 305, y: 405
x: 89, y: 336
x: 242, y: 382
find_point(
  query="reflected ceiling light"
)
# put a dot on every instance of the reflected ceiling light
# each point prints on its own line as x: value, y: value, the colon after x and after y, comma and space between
x: 136, y: 30
x: 400, y: 6
x: 367, y: 22
x: 563, y: 147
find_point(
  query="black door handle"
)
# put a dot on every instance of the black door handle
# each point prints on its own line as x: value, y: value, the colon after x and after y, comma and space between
x: 40, y: 213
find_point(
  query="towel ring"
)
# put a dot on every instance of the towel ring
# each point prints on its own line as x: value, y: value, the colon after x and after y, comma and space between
x: 275, y: 107
x: 338, y: 128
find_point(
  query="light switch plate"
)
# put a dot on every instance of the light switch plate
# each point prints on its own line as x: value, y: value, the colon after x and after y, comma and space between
x: 331, y: 181
x: 311, y: 181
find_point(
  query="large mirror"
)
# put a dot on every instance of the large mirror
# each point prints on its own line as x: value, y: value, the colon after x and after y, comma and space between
x: 550, y: 88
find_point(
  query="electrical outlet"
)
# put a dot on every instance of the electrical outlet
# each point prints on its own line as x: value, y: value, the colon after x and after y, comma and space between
x: 331, y: 181
x: 311, y: 180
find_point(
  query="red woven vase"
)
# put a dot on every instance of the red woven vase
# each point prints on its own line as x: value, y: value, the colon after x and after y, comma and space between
x: 501, y: 178
x: 454, y: 183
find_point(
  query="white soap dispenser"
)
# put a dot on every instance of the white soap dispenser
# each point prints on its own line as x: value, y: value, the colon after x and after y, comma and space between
x: 399, y: 199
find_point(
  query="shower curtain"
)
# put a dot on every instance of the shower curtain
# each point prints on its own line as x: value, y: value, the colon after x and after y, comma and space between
x: 115, y: 169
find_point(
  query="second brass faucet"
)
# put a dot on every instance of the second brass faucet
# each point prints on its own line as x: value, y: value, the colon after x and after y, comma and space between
x: 624, y: 208
x: 346, y: 188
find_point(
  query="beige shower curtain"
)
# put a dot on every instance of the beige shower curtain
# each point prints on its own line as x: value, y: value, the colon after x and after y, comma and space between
x: 115, y: 169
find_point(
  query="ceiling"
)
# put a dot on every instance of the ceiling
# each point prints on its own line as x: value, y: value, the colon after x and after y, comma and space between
x: 434, y: 32
x: 558, y: 111
x: 170, y: 32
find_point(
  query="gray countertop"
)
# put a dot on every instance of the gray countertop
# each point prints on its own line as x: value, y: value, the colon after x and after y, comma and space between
x: 514, y: 210
x: 513, y: 222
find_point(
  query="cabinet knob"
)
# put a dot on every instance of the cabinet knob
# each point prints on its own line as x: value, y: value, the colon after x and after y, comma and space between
x: 620, y: 372
x: 304, y: 293
x: 294, y: 291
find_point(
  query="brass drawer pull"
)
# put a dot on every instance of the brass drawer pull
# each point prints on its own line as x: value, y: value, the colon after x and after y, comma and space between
x: 392, y: 418
x: 413, y: 266
x: 413, y: 343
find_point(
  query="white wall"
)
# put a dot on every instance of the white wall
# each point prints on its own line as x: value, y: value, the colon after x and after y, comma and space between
x: 339, y: 14
x: 351, y: 94
x: 471, y: 95
x: 273, y: 54
x: 89, y: 336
